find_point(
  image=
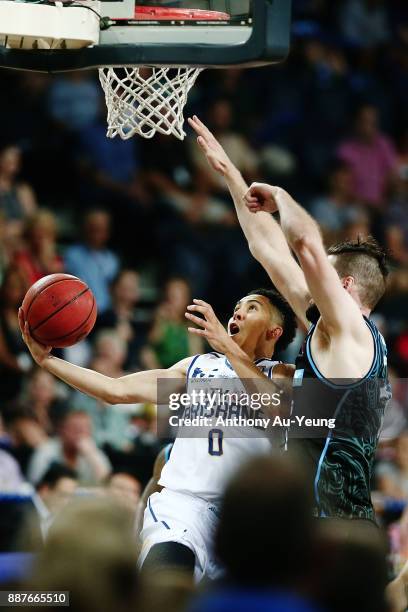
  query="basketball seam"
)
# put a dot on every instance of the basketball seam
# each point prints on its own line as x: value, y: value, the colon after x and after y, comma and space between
x: 71, y: 301
x: 36, y: 295
x: 76, y: 328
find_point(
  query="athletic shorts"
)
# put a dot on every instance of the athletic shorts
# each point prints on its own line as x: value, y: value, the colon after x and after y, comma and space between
x: 176, y: 517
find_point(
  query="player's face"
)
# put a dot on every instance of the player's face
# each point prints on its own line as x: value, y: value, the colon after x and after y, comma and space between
x: 253, y: 317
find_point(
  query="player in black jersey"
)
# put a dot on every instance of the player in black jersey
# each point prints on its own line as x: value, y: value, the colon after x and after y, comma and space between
x: 341, y: 372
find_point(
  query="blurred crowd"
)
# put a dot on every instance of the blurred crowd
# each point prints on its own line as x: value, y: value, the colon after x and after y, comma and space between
x: 148, y: 226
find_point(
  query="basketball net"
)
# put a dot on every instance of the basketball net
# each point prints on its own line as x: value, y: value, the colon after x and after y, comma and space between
x: 144, y: 100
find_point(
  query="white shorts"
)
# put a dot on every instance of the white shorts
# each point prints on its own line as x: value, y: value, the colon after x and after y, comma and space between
x: 176, y: 517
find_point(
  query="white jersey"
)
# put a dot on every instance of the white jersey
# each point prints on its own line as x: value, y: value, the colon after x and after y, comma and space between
x: 201, y: 466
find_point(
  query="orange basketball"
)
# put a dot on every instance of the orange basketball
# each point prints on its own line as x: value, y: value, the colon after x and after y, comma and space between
x: 60, y: 310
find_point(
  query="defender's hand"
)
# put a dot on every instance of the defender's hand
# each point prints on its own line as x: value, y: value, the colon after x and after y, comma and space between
x: 38, y: 351
x: 211, y: 328
x: 215, y: 154
x: 261, y: 196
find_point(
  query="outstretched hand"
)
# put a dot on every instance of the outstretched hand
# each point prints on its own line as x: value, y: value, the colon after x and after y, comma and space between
x: 38, y: 351
x: 215, y: 154
x: 261, y: 196
x: 210, y: 327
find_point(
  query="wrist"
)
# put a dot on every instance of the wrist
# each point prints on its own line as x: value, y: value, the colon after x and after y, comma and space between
x: 233, y: 350
x: 231, y: 172
x: 46, y: 362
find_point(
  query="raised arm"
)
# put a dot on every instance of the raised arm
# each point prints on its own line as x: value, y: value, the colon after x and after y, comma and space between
x: 337, y: 308
x: 264, y: 235
x: 134, y: 388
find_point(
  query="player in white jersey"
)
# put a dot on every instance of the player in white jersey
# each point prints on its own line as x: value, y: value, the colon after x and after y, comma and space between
x: 180, y: 520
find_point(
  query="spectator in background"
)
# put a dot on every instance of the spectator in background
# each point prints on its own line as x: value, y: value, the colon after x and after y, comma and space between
x: 42, y: 398
x: 122, y: 316
x: 14, y: 359
x: 392, y: 477
x: 54, y: 491
x: 40, y: 256
x: 220, y: 120
x: 125, y: 489
x: 272, y: 491
x: 397, y: 218
x: 92, y: 260
x: 364, y: 23
x: 396, y: 416
x: 371, y: 157
x: 110, y: 424
x: 109, y: 165
x: 99, y: 572
x: 323, y: 99
x: 5, y: 249
x: 73, y: 447
x: 169, y: 337
x: 351, y: 569
x: 17, y: 199
x: 359, y: 226
x: 74, y: 100
x: 109, y: 353
x: 25, y: 434
x: 11, y: 479
x: 338, y: 208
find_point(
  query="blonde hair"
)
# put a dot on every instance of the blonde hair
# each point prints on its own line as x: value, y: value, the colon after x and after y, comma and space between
x: 43, y: 217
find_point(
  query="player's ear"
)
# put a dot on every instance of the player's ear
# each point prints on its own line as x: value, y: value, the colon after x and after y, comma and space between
x: 274, y: 333
x: 348, y: 283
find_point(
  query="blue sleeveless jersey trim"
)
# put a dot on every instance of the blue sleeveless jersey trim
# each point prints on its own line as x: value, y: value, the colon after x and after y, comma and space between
x: 373, y: 367
x: 191, y: 365
x: 167, y: 451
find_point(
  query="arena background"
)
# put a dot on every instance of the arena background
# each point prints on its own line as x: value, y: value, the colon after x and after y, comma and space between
x: 149, y: 226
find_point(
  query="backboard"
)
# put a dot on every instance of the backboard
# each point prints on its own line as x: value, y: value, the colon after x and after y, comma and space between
x: 256, y: 32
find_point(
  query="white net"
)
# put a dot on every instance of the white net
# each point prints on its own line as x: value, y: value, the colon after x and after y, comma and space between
x: 143, y: 101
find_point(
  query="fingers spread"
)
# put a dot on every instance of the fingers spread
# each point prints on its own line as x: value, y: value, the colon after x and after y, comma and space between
x: 203, y: 128
x: 196, y: 320
x: 203, y: 144
x: 197, y: 332
x: 201, y: 303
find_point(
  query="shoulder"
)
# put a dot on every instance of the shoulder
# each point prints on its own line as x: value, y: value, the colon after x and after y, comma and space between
x: 273, y: 368
x: 210, y: 357
x: 50, y: 448
x: 385, y: 143
x: 284, y: 370
x: 346, y: 149
x: 184, y: 366
x: 75, y: 250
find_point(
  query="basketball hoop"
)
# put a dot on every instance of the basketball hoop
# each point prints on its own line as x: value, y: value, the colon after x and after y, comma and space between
x: 143, y: 100
x: 148, y: 58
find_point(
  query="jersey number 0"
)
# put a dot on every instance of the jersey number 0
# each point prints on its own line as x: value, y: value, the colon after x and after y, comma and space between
x: 215, y: 442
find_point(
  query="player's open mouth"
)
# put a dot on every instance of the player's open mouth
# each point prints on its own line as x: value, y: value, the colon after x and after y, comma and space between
x: 233, y: 329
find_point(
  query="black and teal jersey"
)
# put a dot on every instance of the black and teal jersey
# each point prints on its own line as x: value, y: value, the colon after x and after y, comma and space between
x: 339, y: 460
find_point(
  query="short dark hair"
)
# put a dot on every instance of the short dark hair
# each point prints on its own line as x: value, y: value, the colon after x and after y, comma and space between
x: 55, y: 472
x: 288, y: 316
x: 273, y: 492
x: 365, y: 260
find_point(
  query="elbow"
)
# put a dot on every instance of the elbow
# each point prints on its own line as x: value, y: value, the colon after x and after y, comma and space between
x: 254, y: 249
x: 260, y: 251
x: 111, y: 399
x: 306, y: 246
x: 114, y: 395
